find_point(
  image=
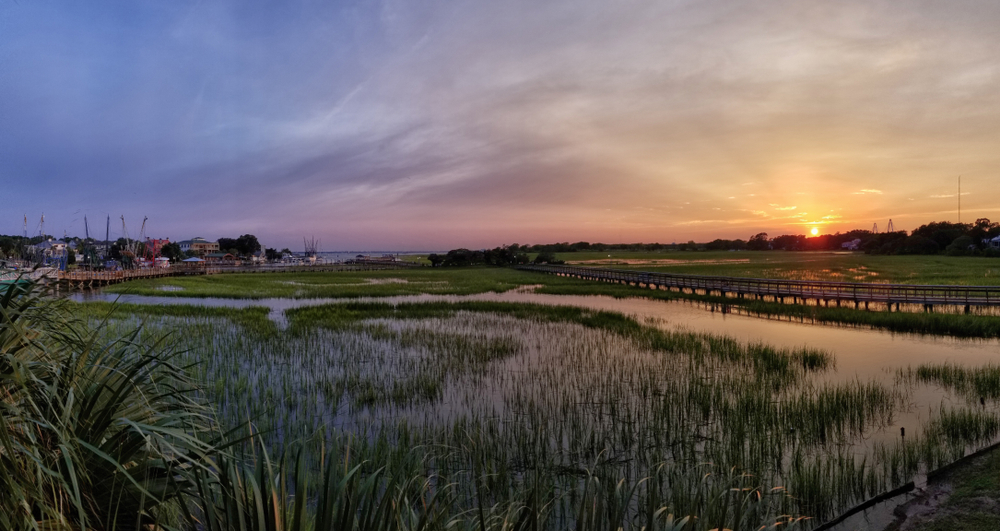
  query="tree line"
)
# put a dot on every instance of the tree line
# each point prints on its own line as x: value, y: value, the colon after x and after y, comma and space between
x: 505, y: 255
x: 939, y: 237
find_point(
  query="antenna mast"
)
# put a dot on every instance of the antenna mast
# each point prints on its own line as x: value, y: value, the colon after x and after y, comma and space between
x: 312, y: 247
x: 147, y: 252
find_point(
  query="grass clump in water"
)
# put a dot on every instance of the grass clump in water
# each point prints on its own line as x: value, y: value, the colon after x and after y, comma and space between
x: 973, y: 383
x: 520, y: 404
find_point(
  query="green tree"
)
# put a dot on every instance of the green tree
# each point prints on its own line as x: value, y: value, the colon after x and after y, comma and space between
x: 961, y: 246
x: 247, y: 245
x: 547, y: 257
x: 758, y: 242
x: 172, y: 251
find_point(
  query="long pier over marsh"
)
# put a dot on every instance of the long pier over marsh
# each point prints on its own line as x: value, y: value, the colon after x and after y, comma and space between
x: 861, y: 295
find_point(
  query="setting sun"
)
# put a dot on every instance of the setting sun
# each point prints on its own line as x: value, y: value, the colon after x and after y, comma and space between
x: 814, y: 231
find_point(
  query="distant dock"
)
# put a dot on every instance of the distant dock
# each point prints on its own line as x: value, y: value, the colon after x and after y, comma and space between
x: 858, y: 294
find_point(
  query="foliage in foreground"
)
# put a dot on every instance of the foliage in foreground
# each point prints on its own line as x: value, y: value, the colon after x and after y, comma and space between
x: 92, y: 434
x: 99, y: 433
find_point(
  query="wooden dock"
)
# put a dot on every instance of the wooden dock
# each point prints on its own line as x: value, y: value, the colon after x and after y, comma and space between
x: 885, y: 296
x: 96, y: 279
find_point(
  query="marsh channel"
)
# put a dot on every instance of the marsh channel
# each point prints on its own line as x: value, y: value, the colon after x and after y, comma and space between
x: 859, y: 355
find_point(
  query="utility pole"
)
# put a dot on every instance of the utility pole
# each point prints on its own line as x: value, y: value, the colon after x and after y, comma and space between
x: 960, y: 199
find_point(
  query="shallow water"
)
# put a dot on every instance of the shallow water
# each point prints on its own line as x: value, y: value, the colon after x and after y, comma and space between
x: 860, y: 352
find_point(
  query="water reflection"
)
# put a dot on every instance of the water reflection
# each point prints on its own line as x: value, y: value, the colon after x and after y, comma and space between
x: 860, y: 352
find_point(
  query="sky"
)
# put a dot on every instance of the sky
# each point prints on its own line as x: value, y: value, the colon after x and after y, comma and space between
x: 404, y: 125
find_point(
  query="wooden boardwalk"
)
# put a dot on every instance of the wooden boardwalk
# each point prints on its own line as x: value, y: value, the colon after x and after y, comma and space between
x: 856, y: 293
x: 93, y: 279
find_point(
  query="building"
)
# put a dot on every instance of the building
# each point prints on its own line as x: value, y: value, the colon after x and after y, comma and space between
x: 852, y: 245
x: 199, y: 246
x: 993, y: 242
x: 49, y: 247
x: 221, y: 259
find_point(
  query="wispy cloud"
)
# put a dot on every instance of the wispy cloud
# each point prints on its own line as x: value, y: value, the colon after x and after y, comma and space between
x: 440, y: 124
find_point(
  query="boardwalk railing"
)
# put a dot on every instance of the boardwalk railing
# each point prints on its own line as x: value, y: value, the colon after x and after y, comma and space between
x: 780, y: 289
x: 113, y: 276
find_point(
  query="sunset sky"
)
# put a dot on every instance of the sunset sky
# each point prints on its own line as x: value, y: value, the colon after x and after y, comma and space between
x: 424, y: 125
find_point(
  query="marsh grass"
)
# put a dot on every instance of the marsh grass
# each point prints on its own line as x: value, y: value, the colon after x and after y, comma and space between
x: 972, y: 383
x: 342, y: 284
x: 256, y: 318
x: 944, y: 324
x: 467, y: 281
x: 832, y: 266
x: 102, y: 430
x: 516, y: 405
x: 95, y: 432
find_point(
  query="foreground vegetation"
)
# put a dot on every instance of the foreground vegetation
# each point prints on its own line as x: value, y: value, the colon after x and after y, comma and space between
x: 104, y: 430
x: 551, y: 416
x: 972, y: 504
